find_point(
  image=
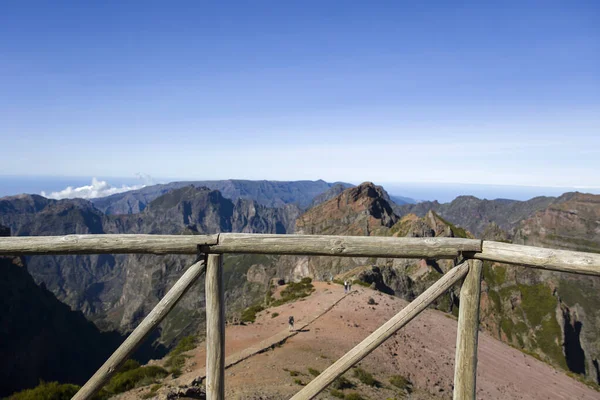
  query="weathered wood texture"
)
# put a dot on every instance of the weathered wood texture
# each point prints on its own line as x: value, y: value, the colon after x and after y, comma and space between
x: 465, y: 365
x: 537, y: 257
x: 136, y: 337
x: 318, y: 245
x: 215, y: 329
x: 105, y: 244
x: 349, y: 246
x: 382, y: 333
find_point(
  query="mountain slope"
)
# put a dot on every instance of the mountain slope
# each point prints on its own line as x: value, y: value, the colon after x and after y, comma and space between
x: 40, y: 337
x: 116, y: 291
x: 266, y: 193
x: 476, y: 214
x: 573, y: 222
x: 422, y: 353
x: 521, y: 306
x: 361, y: 210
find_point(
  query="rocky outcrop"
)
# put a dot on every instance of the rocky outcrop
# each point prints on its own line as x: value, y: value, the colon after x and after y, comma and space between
x: 361, y: 210
x: 366, y: 210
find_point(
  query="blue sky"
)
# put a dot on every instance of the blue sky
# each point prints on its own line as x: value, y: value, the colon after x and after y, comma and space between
x: 497, y: 94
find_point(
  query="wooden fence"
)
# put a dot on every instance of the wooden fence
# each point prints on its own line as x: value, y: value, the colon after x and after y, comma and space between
x: 210, y: 250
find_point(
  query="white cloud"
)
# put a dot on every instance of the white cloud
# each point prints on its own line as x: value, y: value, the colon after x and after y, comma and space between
x: 96, y: 189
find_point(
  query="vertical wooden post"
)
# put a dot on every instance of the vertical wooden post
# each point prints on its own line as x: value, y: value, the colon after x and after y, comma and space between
x: 215, y: 328
x: 465, y: 365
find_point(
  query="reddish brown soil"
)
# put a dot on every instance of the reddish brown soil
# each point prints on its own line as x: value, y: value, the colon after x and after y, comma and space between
x: 423, y: 351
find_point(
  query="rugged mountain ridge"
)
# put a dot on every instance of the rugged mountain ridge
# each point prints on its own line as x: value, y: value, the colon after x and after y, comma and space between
x: 266, y: 193
x: 554, y: 316
x: 361, y: 210
x: 476, y: 214
x: 116, y: 291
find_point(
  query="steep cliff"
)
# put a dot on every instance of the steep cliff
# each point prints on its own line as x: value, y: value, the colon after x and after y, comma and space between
x: 573, y: 222
x: 40, y: 337
x: 117, y: 291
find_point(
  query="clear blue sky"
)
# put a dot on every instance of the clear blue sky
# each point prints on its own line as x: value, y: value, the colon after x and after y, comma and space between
x: 394, y: 91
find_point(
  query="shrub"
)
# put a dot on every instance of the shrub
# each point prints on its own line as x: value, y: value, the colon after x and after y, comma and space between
x: 371, y: 301
x: 336, y: 393
x: 401, y: 382
x: 342, y: 383
x: 295, y: 291
x: 313, y: 371
x: 176, y: 358
x: 299, y: 382
x: 275, y: 314
x: 47, y: 391
x: 124, y: 381
x: 365, y: 377
x: 152, y: 391
x: 129, y: 365
x: 249, y: 314
x: 294, y: 373
x: 353, y: 396
x: 361, y: 283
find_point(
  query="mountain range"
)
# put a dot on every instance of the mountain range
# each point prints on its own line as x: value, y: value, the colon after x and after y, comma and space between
x: 554, y: 316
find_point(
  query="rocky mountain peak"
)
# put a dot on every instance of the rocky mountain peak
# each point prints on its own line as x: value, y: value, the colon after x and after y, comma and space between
x: 361, y: 210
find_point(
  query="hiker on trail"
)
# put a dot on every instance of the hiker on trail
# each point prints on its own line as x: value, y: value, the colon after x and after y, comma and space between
x: 345, y: 286
x: 291, y: 322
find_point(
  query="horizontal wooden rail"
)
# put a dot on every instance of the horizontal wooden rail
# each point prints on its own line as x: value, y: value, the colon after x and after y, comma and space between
x: 105, y: 244
x: 344, y: 246
x: 383, y: 333
x: 318, y: 245
x: 315, y: 245
x: 537, y: 257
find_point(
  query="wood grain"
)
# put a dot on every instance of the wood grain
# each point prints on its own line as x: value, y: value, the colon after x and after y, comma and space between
x: 537, y: 257
x: 105, y: 244
x: 465, y: 365
x: 215, y: 329
x: 344, y: 246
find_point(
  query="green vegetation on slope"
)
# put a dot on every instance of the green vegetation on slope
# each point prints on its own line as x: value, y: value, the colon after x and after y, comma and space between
x: 176, y: 358
x: 130, y: 375
x: 294, y: 291
x: 47, y: 391
x: 456, y: 231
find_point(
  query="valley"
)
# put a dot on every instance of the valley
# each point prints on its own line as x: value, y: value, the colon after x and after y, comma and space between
x: 549, y: 315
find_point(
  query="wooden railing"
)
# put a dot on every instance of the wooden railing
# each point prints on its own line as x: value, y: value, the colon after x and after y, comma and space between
x: 469, y: 254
